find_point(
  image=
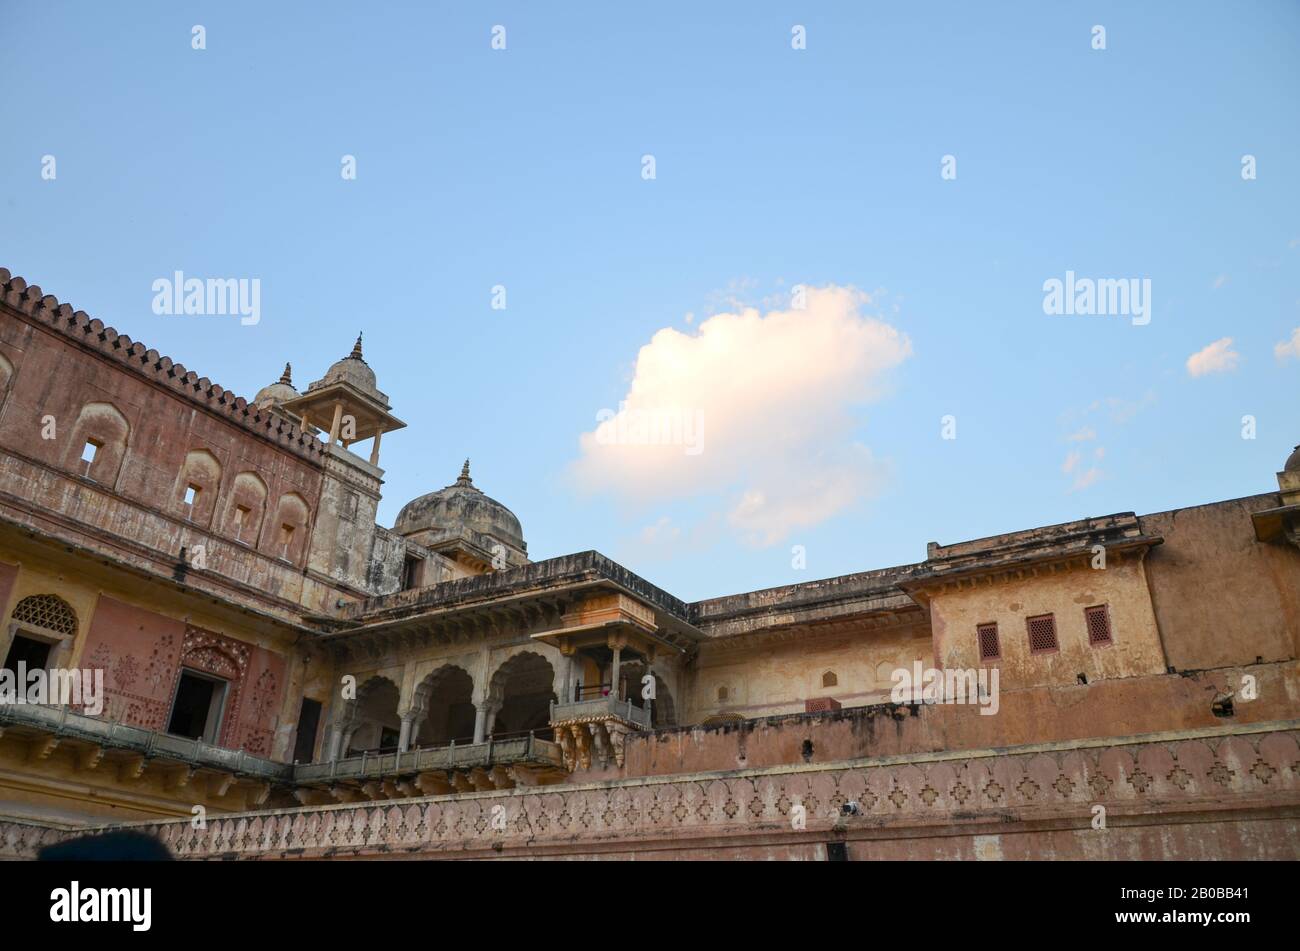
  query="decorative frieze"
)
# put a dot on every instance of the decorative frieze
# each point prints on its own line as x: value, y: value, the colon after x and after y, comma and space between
x: 1134, y: 780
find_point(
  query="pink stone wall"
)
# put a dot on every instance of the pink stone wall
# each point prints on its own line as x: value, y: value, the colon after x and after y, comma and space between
x: 1221, y: 597
x: 1038, y: 715
x: 139, y: 652
x: 142, y: 654
x: 55, y: 378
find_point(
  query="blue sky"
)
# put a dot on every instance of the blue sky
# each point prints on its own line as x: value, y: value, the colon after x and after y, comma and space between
x: 774, y: 167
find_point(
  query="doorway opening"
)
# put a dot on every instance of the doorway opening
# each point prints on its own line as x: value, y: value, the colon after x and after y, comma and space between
x: 35, y: 654
x: 196, y: 712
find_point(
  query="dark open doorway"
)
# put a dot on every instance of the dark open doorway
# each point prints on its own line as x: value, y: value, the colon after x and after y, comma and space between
x: 35, y: 654
x: 196, y: 712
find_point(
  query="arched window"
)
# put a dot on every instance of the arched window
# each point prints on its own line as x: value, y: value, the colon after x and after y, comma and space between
x: 829, y: 679
x: 245, y: 508
x: 47, y: 611
x: 42, y: 630
x: 287, y: 535
x: 98, y: 443
x: 197, y: 486
x: 722, y: 694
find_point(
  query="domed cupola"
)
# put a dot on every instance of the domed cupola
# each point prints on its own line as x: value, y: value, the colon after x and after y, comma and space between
x: 352, y: 369
x: 347, y: 404
x: 463, y: 523
x: 279, y: 392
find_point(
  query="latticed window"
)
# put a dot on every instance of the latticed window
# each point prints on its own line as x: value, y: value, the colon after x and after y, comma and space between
x: 1098, y: 620
x: 988, y: 638
x: 1042, y: 634
x: 48, y: 612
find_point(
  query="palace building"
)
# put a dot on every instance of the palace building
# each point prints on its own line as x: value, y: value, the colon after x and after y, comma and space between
x: 282, y: 677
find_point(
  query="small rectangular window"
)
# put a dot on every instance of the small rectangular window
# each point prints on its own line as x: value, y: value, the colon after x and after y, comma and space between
x: 89, y: 450
x: 1098, y: 621
x: 412, y: 568
x: 1042, y: 634
x: 191, y: 494
x: 988, y: 638
x: 241, y: 524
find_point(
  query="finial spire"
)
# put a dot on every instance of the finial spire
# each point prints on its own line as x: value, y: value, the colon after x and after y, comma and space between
x: 464, y: 475
x: 356, y: 349
x: 285, y: 376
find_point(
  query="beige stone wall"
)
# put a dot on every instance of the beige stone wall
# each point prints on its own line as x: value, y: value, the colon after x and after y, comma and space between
x: 769, y: 676
x: 1221, y: 596
x: 957, y: 609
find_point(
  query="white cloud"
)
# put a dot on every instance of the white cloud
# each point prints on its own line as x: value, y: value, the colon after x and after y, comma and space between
x: 660, y: 532
x: 1085, y: 479
x: 1220, y: 281
x: 1218, y: 357
x: 1122, y: 410
x: 1083, y: 435
x: 754, y: 408
x: 1288, y: 348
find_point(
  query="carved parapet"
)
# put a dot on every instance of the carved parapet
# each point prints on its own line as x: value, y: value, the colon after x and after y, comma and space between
x: 603, y: 723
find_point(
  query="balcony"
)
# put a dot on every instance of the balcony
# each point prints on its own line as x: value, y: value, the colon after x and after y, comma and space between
x: 129, y: 751
x: 595, y: 728
x: 600, y: 709
x: 495, y: 764
x: 126, y: 752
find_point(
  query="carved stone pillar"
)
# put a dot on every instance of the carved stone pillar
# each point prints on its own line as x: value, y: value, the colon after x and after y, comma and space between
x: 490, y: 718
x: 480, y: 721
x: 566, y: 690
x: 410, y: 724
x: 336, y: 743
x: 345, y: 725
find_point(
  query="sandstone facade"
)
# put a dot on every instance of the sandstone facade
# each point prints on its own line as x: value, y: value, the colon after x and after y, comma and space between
x: 322, y: 685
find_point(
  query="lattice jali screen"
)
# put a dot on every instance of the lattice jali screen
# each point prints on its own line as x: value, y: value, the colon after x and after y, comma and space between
x: 988, y: 635
x: 1098, y: 625
x: 46, y: 611
x: 1042, y: 634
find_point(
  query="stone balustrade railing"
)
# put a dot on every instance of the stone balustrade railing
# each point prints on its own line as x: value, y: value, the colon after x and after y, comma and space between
x: 519, y: 749
x: 1153, y: 779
